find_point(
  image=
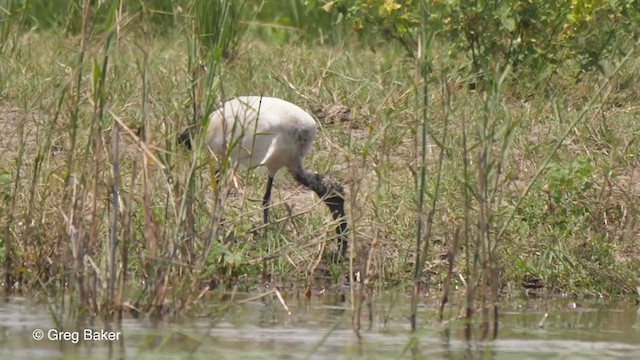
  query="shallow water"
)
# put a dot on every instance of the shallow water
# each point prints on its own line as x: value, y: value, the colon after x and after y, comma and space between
x: 321, y: 329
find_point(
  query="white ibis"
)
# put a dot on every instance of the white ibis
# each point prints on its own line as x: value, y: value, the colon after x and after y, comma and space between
x: 255, y: 131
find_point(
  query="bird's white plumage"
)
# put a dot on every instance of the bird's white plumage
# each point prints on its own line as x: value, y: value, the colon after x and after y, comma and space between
x: 255, y: 131
x: 261, y: 131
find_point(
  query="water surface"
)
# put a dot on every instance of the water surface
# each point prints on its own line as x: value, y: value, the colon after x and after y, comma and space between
x: 321, y: 329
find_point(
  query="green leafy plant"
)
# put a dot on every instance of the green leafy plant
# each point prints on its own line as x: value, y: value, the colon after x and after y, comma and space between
x: 570, y: 189
x: 525, y: 34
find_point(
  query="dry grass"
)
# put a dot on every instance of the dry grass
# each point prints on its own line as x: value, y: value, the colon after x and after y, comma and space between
x: 170, y: 248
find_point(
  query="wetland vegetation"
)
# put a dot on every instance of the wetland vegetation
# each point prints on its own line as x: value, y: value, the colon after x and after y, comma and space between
x: 488, y: 149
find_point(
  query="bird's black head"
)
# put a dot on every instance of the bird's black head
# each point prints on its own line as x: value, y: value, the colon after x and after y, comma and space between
x: 335, y: 202
x: 185, y: 138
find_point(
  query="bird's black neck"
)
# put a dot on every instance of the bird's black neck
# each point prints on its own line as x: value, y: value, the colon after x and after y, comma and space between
x: 332, y: 193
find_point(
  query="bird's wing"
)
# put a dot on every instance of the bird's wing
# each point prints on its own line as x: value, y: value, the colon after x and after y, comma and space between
x: 256, y: 149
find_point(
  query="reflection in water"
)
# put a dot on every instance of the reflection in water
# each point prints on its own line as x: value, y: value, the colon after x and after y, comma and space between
x: 321, y: 329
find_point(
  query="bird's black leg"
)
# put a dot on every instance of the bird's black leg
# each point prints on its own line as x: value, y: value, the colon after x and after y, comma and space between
x: 266, y: 201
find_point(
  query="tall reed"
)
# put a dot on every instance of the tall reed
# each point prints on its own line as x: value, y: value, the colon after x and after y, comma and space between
x: 425, y: 215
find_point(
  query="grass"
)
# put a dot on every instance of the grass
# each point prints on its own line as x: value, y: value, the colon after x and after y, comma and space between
x: 173, y: 234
